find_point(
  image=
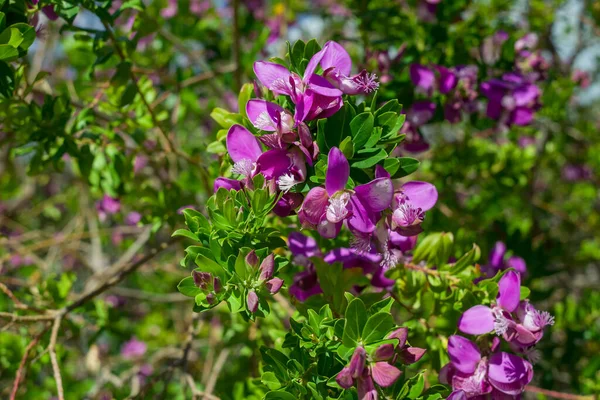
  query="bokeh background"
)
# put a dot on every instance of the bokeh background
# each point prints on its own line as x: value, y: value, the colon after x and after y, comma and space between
x: 86, y: 184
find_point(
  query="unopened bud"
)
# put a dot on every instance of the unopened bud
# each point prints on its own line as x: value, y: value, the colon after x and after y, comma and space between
x: 274, y: 285
x: 267, y: 267
x: 252, y: 301
x: 252, y: 259
x: 201, y: 279
x: 217, y: 284
x: 357, y: 362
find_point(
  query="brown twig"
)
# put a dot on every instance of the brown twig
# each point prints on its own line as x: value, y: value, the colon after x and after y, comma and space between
x: 54, y: 359
x: 557, y: 395
x: 23, y: 362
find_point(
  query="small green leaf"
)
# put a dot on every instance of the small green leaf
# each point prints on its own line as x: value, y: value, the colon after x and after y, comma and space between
x: 8, y: 53
x: 279, y: 395
x: 128, y: 95
x: 270, y: 380
x: 188, y: 288
x: 377, y: 326
x: 356, y: 318
x: 361, y: 128
x: 245, y: 95
x: 470, y: 258
x: 371, y: 160
x: 417, y: 388
x: 185, y: 233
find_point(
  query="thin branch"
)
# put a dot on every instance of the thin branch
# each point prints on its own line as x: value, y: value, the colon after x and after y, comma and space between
x: 23, y: 362
x: 212, y: 381
x: 557, y: 395
x: 53, y: 358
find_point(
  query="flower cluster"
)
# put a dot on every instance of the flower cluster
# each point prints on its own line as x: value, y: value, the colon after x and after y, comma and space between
x: 364, y: 371
x: 472, y: 374
x: 498, y: 262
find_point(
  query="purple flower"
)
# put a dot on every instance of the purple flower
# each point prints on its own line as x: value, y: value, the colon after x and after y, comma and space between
x: 517, y: 321
x: 492, y: 47
x: 133, y: 349
x: 409, y: 204
x: 358, y: 373
x: 336, y: 64
x: 422, y: 77
x: 107, y: 206
x: 576, y: 173
x: 327, y: 208
x: 133, y: 218
x: 285, y: 167
x: 475, y: 375
x: 419, y: 114
x: 288, y: 203
x: 271, y: 117
x: 498, y: 263
x: 170, y: 10
x: 511, y: 100
x: 305, y: 283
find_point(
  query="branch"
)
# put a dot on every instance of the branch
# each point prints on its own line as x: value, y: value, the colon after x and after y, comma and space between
x: 557, y: 395
x: 53, y: 358
x: 23, y: 362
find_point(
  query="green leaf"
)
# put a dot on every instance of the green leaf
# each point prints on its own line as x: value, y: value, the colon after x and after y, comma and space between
x: 8, y: 53
x: 361, y: 128
x: 205, y: 264
x: 185, y: 233
x: 270, y: 380
x: 468, y: 259
x: 245, y: 95
x: 11, y: 36
x: 225, y: 118
x: 377, y: 326
x: 525, y: 292
x: 401, y: 166
x: 279, y: 395
x: 371, y: 160
x: 297, y: 54
x: 188, y: 288
x: 347, y: 147
x: 417, y: 388
x: 122, y: 74
x: 128, y: 95
x: 356, y: 318
x: 216, y: 147
x: 312, y: 47
x: 2, y: 20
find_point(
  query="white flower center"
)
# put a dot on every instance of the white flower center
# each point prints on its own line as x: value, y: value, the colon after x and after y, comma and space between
x: 336, y: 210
x: 243, y: 167
x: 286, y: 182
x: 361, y: 244
x: 264, y: 121
x: 501, y: 323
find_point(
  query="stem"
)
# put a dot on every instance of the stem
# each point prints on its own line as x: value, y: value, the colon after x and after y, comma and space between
x: 557, y: 395
x: 237, y: 73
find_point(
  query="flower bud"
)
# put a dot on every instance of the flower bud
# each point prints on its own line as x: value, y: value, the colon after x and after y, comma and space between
x: 210, y: 298
x: 401, y: 334
x: 201, y: 279
x: 252, y: 301
x: 274, y: 285
x: 267, y: 267
x: 217, y: 284
x: 252, y: 259
x: 411, y: 355
x: 344, y: 378
x: 384, y: 352
x: 357, y: 362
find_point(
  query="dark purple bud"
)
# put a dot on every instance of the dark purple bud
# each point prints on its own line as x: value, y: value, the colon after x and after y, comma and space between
x: 267, y: 267
x: 201, y: 279
x: 274, y: 285
x: 344, y: 378
x: 411, y: 355
x: 217, y: 284
x: 252, y: 259
x: 257, y: 89
x: 384, y: 352
x: 357, y: 362
x: 252, y: 301
x: 210, y: 298
x: 401, y: 334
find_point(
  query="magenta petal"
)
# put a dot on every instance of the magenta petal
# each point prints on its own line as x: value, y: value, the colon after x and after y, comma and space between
x: 457, y: 395
x: 421, y: 76
x: 463, y: 353
x: 401, y: 334
x: 357, y: 362
x: 320, y: 85
x: 334, y: 55
x: 421, y: 194
x: 411, y: 355
x: 338, y: 171
x: 344, y: 378
x: 509, y: 291
x: 273, y: 76
x: 381, y: 172
x: 522, y: 116
x: 361, y: 219
x: 329, y: 229
x: 274, y: 285
x: 477, y: 320
x: 273, y: 163
x: 242, y: 145
x: 227, y: 183
x: 385, y: 374
x: 497, y: 255
x: 385, y: 352
x: 376, y: 195
x: 304, y: 103
x: 366, y: 389
x: 263, y: 114
x: 313, y: 64
x: 252, y: 301
x: 315, y: 205
x: 303, y: 245
x: 509, y: 373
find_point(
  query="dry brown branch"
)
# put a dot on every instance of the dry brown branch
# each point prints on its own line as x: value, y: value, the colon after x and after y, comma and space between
x: 557, y: 395
x: 21, y: 370
x: 53, y: 358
